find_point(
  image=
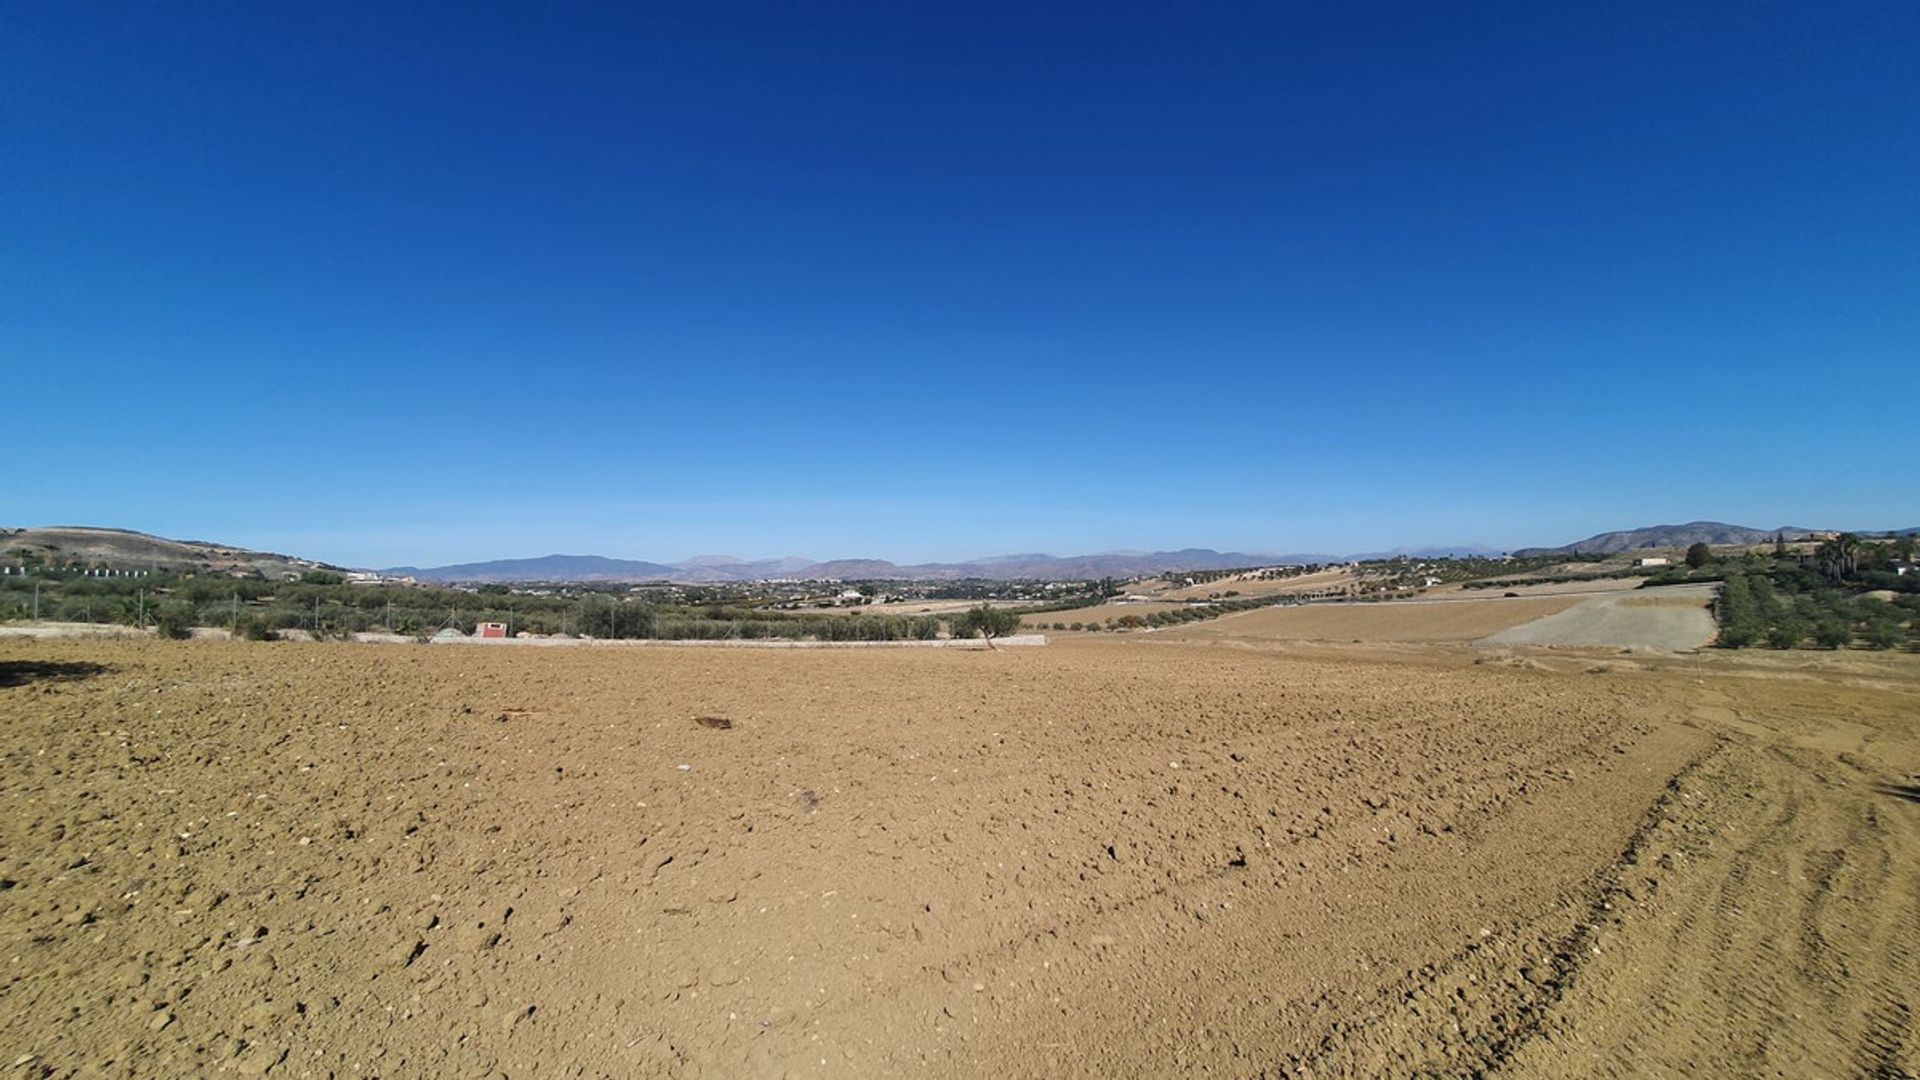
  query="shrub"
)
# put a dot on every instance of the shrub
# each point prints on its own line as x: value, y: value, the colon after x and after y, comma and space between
x: 1832, y: 633
x: 173, y: 621
x: 1882, y: 634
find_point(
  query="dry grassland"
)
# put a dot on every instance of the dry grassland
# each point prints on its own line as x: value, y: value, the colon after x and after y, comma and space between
x: 1101, y: 858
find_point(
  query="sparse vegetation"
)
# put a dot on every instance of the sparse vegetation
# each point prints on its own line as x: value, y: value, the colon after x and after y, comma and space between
x: 324, y: 606
x: 173, y: 620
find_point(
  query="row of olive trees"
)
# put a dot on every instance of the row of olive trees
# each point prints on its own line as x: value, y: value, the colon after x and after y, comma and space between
x: 1752, y: 610
x: 1171, y: 616
x: 177, y: 618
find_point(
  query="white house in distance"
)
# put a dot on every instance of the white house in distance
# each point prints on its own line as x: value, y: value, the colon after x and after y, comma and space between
x: 1651, y: 560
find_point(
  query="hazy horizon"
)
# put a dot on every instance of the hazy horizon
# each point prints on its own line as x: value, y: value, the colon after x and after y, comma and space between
x: 325, y: 548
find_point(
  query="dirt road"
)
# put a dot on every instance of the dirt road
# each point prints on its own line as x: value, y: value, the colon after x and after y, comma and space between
x: 1099, y: 858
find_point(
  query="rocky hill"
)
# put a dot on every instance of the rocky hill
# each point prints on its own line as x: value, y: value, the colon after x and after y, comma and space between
x: 1669, y: 536
x: 125, y: 550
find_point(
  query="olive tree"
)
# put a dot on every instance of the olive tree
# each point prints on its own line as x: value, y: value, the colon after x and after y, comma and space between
x: 986, y: 622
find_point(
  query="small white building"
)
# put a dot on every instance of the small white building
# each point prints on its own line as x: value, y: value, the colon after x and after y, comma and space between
x: 1651, y: 560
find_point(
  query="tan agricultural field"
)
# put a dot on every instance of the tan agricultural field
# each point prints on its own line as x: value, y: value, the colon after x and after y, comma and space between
x: 1319, y: 581
x: 1534, y: 588
x: 1462, y: 620
x: 907, y: 607
x: 1109, y: 857
x: 1100, y: 613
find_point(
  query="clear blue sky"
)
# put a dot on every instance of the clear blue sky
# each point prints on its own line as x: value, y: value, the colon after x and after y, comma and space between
x: 384, y: 287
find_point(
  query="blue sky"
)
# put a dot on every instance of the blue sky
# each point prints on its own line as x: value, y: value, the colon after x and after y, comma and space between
x: 945, y: 281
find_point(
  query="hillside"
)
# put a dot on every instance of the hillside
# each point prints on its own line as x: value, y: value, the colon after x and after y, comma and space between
x: 124, y: 549
x: 1668, y: 536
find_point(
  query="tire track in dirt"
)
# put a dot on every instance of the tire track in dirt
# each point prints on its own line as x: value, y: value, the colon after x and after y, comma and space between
x: 1772, y: 930
x: 1485, y: 1029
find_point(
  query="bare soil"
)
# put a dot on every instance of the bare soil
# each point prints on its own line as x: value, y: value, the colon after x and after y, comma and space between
x: 1100, y: 613
x: 1675, y: 617
x: 1106, y: 857
x: 1406, y: 620
x: 1458, y: 590
x: 1319, y: 581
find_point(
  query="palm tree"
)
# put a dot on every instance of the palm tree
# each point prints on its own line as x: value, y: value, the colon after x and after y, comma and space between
x: 1840, y: 557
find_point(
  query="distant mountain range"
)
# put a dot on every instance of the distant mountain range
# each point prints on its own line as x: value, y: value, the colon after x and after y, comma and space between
x: 720, y: 568
x: 1026, y: 567
x: 1676, y: 536
x: 127, y: 550
x: 544, y: 568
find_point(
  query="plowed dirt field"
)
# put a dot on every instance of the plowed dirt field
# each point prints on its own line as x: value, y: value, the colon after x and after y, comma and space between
x: 1407, y: 620
x: 1101, y: 858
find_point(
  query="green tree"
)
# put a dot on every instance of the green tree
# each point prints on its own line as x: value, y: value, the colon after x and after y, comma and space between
x: 1740, y: 621
x: 173, y: 620
x: 1840, y: 557
x: 1786, y: 632
x: 986, y: 622
x: 1882, y: 633
x: 1832, y: 633
x: 1699, y: 555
